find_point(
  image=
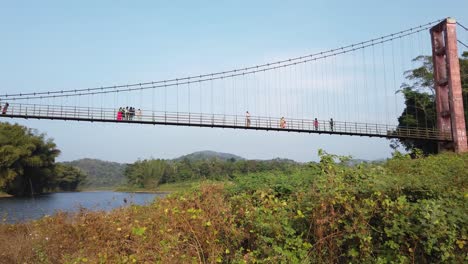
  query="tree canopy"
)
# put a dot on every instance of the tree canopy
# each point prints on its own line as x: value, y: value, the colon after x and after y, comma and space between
x: 27, y: 163
x: 419, y: 94
x: 151, y: 173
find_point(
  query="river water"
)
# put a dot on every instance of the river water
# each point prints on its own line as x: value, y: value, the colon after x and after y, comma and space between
x: 14, y: 209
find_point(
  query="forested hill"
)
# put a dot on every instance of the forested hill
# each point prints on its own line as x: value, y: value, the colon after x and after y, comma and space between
x: 207, y: 154
x: 100, y: 173
x: 111, y: 174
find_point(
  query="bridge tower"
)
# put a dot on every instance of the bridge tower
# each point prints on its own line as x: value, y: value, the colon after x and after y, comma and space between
x: 447, y: 82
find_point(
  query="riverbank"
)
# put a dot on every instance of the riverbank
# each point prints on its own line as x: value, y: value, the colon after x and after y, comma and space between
x: 24, y: 209
x: 163, y: 188
x: 396, y: 212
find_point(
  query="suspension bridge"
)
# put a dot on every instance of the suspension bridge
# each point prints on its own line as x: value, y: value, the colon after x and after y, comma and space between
x: 351, y: 90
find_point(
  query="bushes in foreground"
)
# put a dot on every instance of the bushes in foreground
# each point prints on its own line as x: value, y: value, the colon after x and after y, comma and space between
x: 399, y: 212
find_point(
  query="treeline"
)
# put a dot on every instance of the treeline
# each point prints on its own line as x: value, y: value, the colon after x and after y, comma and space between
x: 27, y: 163
x: 151, y: 173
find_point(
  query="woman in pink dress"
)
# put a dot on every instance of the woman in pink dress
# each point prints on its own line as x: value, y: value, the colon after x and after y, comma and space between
x: 119, y: 115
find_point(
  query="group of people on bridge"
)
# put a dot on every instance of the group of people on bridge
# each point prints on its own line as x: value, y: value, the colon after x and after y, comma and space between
x: 282, y: 122
x: 128, y: 113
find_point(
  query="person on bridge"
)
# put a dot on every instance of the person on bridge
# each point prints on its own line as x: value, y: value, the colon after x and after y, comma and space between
x: 126, y: 113
x: 331, y: 124
x: 5, y: 108
x: 316, y: 124
x: 282, y: 122
x: 119, y: 114
x: 131, y: 113
x: 247, y: 118
x: 138, y: 114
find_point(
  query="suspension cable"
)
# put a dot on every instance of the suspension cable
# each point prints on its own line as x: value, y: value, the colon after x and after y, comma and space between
x: 465, y: 28
x: 232, y: 73
x: 128, y: 88
x: 459, y: 41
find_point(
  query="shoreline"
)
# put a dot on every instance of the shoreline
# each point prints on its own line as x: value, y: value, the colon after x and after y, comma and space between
x: 127, y: 191
x: 5, y: 195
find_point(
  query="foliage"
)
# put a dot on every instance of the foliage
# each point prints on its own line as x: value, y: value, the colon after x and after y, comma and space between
x: 100, y: 173
x: 419, y: 94
x: 151, y: 173
x: 146, y: 173
x: 207, y: 155
x: 67, y: 178
x: 404, y: 210
x: 27, y: 161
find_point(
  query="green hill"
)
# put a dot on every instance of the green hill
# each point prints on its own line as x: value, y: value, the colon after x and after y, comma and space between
x: 100, y: 173
x: 208, y: 154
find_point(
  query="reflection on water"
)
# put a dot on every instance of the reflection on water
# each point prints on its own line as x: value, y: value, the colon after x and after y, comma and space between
x: 15, y: 209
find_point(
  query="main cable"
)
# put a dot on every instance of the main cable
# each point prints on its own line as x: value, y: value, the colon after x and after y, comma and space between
x: 232, y: 72
x: 465, y: 28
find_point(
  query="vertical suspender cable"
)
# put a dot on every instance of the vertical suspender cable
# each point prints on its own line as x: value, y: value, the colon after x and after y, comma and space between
x: 244, y: 89
x: 285, y: 88
x: 177, y: 97
x: 324, y: 90
x: 338, y: 86
x: 364, y: 74
x: 297, y: 94
x: 415, y: 98
x: 394, y: 81
x: 344, y: 93
x: 424, y: 104
x: 357, y: 89
x: 304, y: 98
x: 211, y: 94
x: 280, y: 92
x: 385, y: 83
x: 267, y: 93
x: 165, y: 98
x: 141, y: 98
x: 403, y: 70
x: 236, y: 100
x: 330, y: 87
x: 188, y: 96
x: 201, y: 96
x: 310, y: 86
x: 224, y: 97
x: 315, y: 86
x: 374, y: 89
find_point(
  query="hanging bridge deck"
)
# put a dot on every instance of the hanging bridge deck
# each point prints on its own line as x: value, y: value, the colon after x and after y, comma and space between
x: 55, y: 112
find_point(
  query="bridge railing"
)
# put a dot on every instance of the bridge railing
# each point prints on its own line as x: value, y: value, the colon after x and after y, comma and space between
x: 219, y: 120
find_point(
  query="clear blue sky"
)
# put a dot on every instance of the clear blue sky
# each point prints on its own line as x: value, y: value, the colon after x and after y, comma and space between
x: 53, y: 45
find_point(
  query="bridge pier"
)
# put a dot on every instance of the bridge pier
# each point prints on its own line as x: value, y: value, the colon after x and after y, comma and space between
x: 447, y: 82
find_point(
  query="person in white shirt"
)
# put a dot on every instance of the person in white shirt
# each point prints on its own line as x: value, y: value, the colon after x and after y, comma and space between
x: 138, y: 114
x: 247, y: 118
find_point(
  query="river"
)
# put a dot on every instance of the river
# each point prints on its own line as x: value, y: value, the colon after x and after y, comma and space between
x: 15, y: 209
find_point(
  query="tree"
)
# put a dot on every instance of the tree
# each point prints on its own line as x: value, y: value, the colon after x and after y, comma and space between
x: 420, y: 110
x: 146, y: 173
x: 67, y: 178
x: 27, y: 160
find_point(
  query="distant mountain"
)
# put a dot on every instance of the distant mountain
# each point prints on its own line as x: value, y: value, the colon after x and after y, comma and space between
x: 100, y: 173
x: 207, y: 154
x: 354, y: 162
x: 280, y: 160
